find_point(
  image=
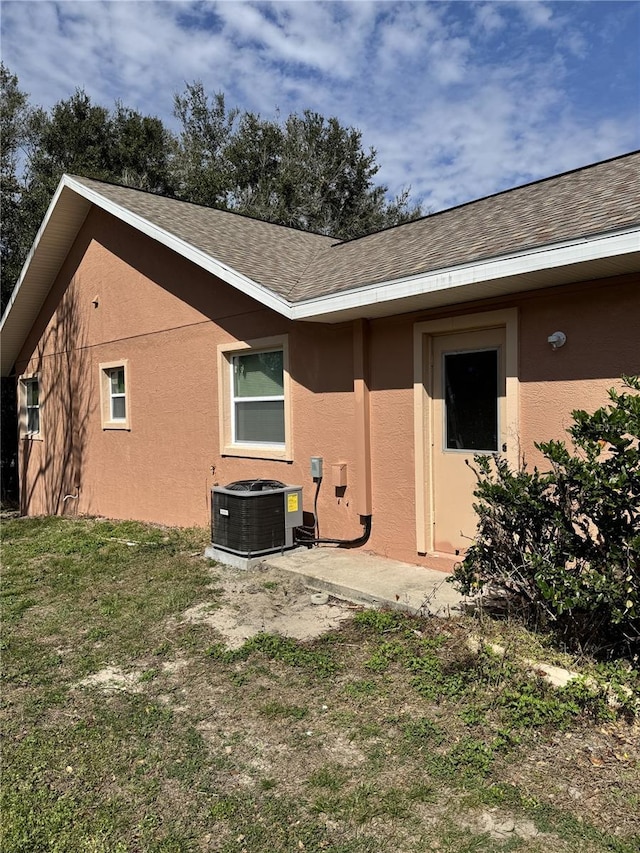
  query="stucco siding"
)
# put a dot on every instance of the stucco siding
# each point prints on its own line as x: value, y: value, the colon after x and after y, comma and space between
x: 122, y: 296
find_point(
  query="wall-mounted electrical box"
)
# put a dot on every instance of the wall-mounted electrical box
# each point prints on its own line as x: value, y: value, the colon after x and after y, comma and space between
x: 339, y: 475
x: 316, y: 467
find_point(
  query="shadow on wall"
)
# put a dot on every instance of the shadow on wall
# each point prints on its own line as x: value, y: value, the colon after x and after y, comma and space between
x: 52, y: 469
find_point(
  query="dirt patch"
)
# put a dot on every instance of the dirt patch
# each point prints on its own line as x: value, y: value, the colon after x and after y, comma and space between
x: 266, y: 600
x: 112, y: 679
x: 502, y: 826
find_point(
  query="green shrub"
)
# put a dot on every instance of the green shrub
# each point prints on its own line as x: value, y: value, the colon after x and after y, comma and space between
x: 562, y: 546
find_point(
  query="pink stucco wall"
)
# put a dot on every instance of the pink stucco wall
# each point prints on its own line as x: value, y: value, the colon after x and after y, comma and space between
x: 167, y: 318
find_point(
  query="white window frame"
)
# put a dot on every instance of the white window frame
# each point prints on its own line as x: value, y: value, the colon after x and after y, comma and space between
x: 24, y: 407
x: 107, y: 396
x: 227, y: 355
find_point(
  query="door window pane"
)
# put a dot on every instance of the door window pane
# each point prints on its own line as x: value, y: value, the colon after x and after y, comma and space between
x: 471, y: 400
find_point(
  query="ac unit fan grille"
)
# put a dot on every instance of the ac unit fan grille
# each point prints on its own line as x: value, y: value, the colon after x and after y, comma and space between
x: 248, y: 523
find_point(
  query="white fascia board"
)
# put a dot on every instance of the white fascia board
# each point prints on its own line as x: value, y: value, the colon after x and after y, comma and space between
x: 202, y: 259
x: 578, y: 251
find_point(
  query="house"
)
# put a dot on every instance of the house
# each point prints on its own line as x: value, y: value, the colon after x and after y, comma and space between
x: 161, y: 348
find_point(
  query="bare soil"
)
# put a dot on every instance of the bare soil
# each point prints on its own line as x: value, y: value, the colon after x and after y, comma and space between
x: 266, y: 600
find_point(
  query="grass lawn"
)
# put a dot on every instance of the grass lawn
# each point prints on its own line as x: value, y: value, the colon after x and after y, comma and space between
x: 129, y: 728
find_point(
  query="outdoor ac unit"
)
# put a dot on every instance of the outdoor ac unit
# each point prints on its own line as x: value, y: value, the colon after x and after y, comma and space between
x: 254, y: 517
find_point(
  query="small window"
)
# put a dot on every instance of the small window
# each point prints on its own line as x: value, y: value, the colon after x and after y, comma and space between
x: 30, y: 407
x: 32, y: 387
x: 114, y: 390
x: 254, y: 399
x: 118, y: 405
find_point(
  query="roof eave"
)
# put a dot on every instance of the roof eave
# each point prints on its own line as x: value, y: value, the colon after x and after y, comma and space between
x: 62, y: 222
x: 585, y: 259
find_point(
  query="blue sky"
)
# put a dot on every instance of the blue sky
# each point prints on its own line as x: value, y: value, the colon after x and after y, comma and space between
x: 459, y: 99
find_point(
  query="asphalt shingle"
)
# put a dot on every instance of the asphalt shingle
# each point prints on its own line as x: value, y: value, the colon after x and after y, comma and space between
x: 298, y: 265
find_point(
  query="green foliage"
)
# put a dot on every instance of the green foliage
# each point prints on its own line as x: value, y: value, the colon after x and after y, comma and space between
x: 563, y: 546
x: 307, y: 171
x: 276, y: 647
x: 379, y: 621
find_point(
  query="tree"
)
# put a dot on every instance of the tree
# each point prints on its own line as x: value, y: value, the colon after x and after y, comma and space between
x: 308, y: 172
x: 201, y: 168
x: 78, y: 137
x: 14, y: 134
x: 320, y: 180
x: 142, y: 151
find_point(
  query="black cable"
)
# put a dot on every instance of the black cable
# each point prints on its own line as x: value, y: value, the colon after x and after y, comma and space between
x: 318, y: 540
x: 315, y: 507
x: 341, y: 543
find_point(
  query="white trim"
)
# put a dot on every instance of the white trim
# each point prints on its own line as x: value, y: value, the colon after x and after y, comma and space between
x: 501, y: 275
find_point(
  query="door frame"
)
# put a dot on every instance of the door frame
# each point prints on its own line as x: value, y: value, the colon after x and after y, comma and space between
x: 423, y: 367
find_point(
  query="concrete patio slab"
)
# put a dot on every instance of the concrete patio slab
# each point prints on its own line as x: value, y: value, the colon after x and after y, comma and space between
x: 368, y: 579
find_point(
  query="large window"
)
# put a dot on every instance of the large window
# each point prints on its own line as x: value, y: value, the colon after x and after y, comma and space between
x: 258, y: 398
x: 30, y: 407
x: 114, y: 391
x: 254, y: 404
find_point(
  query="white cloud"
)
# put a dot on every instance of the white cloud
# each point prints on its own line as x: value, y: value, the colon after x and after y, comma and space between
x: 537, y: 14
x: 459, y: 99
x: 489, y: 18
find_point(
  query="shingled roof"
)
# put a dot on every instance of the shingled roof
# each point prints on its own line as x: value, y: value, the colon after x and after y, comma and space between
x: 593, y: 200
x: 299, y: 265
x: 580, y: 225
x: 272, y: 255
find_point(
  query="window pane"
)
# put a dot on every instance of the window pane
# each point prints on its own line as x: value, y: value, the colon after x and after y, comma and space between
x: 117, y: 380
x: 33, y: 420
x: 471, y: 394
x: 32, y: 392
x: 260, y: 421
x: 118, y: 408
x: 258, y: 375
